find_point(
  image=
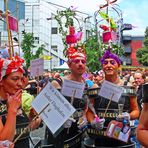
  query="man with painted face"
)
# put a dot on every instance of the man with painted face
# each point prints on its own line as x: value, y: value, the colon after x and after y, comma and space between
x: 71, y: 132
x: 110, y: 65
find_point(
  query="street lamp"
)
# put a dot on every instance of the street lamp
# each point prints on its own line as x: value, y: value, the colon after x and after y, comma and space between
x: 26, y: 20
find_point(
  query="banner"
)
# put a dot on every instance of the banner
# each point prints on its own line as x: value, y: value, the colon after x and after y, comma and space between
x: 13, y: 23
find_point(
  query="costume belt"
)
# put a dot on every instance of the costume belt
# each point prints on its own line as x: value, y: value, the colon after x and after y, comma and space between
x: 20, y: 128
x: 95, y: 133
x: 74, y: 140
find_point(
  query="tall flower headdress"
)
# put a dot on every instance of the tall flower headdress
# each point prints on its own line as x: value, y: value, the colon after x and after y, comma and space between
x: 74, y: 50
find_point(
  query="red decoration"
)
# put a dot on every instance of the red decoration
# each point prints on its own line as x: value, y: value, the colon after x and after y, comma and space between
x: 109, y: 35
x: 71, y: 39
x: 71, y: 30
x: 13, y: 23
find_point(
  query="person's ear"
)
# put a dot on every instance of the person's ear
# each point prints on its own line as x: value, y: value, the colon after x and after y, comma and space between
x: 69, y: 64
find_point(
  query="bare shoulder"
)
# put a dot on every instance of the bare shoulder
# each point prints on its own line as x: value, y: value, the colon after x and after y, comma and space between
x: 145, y: 107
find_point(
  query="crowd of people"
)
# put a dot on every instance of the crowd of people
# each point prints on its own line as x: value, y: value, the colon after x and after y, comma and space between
x: 18, y: 90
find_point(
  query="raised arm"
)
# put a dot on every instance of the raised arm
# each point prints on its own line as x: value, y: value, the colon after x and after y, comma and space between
x: 7, y: 131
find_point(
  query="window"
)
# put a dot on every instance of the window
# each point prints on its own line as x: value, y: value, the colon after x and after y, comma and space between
x: 54, y: 30
x: 54, y: 47
x: 36, y: 40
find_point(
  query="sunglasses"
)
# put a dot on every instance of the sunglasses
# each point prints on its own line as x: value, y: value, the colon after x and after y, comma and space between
x: 76, y: 61
x: 112, y: 62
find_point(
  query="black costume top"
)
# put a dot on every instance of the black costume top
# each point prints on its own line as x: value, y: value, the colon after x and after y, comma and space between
x: 68, y: 133
x: 21, y: 122
x: 99, y: 136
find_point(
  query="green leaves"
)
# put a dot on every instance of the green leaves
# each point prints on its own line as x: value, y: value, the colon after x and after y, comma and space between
x: 142, y: 53
x: 28, y: 47
x: 142, y: 56
x: 65, y: 18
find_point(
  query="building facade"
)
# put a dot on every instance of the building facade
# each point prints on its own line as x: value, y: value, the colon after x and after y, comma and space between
x: 17, y: 10
x: 40, y: 20
x: 131, y: 45
x: 33, y: 18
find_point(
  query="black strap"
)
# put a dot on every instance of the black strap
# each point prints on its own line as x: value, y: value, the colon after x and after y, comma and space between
x: 145, y: 93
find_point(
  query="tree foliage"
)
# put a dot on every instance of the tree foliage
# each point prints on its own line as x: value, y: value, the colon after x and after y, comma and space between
x: 28, y: 46
x: 142, y: 53
x: 65, y: 18
x: 93, y: 51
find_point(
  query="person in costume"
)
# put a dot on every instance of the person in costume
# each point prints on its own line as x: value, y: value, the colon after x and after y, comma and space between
x: 11, y: 75
x: 110, y: 65
x: 77, y: 64
x: 11, y: 85
x: 142, y: 129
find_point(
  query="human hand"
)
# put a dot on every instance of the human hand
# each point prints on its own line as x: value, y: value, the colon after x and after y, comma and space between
x: 69, y: 122
x: 14, y: 101
x: 82, y: 122
x: 124, y: 115
x: 6, y: 144
x: 98, y: 123
x: 35, y: 124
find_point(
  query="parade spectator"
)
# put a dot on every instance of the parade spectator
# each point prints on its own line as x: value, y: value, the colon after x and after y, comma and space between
x: 26, y: 97
x: 58, y: 78
x: 45, y: 79
x: 32, y: 87
x: 66, y: 72
x: 99, y: 77
x: 139, y: 79
x: 142, y: 129
x: 11, y: 75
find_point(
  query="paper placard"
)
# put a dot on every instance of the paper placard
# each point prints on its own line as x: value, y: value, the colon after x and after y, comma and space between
x: 58, y: 111
x: 108, y: 89
x: 37, y: 67
x: 70, y: 86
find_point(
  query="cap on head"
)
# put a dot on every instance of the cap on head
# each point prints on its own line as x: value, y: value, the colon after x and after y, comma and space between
x: 108, y: 54
x: 8, y: 66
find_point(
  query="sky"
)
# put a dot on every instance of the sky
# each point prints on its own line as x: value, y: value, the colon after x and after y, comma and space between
x: 133, y: 11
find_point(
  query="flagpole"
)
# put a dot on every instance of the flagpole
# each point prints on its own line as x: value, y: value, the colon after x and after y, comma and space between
x: 17, y: 10
x: 12, y: 48
x: 9, y: 32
